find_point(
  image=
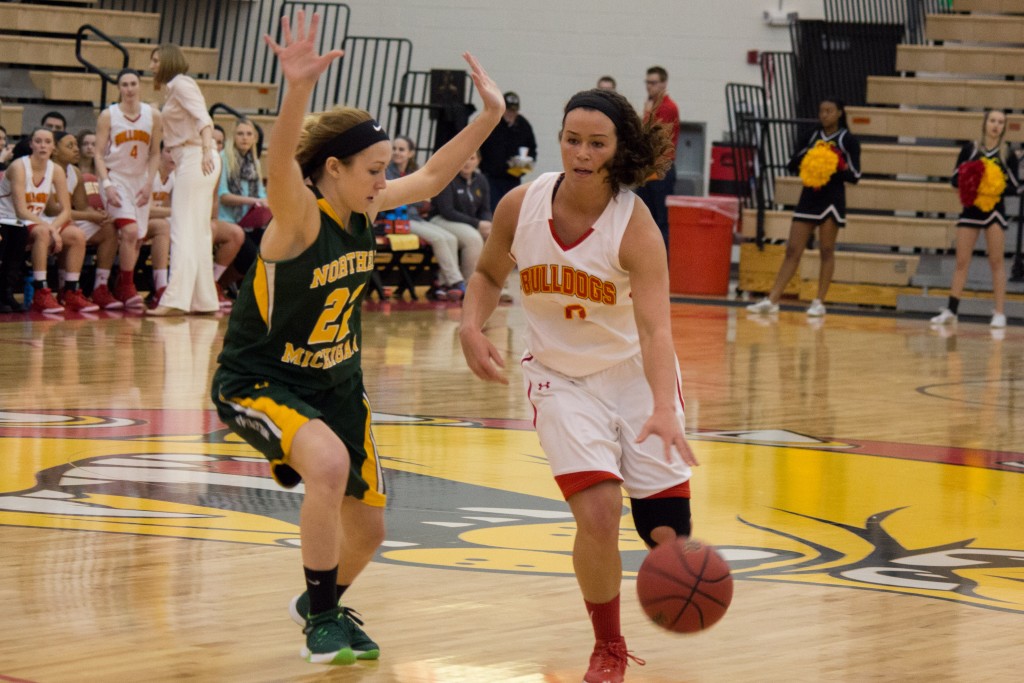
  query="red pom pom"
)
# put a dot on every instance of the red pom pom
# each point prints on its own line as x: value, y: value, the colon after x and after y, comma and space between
x: 841, y: 166
x: 969, y: 178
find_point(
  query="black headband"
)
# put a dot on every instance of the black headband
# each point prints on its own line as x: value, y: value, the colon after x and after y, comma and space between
x: 352, y: 141
x: 589, y: 100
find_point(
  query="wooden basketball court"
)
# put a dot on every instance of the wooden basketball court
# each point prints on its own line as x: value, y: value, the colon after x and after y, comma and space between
x: 864, y: 477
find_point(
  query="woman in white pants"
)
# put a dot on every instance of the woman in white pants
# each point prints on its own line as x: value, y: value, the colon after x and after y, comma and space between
x: 188, y: 133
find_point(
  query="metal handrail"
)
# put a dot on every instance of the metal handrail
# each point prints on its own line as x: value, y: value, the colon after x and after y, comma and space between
x: 104, y: 76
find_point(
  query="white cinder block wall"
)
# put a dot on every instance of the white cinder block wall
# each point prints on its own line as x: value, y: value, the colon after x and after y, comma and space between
x: 546, y: 50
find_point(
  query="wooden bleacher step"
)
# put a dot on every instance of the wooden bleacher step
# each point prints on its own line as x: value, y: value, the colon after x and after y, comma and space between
x: 85, y: 87
x: 60, y: 52
x: 975, y: 28
x: 913, y: 160
x: 919, y: 123
x: 942, y: 92
x: 989, y: 6
x: 925, y: 233
x: 960, y: 59
x: 883, y: 195
x: 855, y: 267
x: 11, y: 118
x: 28, y: 18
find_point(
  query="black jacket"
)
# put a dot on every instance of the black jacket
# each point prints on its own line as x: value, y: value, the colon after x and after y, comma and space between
x: 464, y: 201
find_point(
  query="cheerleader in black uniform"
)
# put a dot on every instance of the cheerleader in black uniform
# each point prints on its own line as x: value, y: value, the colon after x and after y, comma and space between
x: 988, y: 217
x: 824, y: 205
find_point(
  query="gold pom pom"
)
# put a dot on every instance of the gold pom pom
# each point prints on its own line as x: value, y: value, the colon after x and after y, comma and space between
x: 818, y: 165
x: 991, y: 187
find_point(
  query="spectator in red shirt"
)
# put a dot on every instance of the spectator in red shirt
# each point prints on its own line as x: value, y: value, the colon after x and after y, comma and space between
x: 659, y: 108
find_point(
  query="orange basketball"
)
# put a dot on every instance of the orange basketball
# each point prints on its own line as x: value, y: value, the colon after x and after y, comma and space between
x: 684, y: 586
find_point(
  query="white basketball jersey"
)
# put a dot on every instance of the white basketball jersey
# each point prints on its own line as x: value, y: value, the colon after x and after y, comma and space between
x: 127, y: 153
x: 36, y: 195
x: 577, y: 297
x: 162, y: 190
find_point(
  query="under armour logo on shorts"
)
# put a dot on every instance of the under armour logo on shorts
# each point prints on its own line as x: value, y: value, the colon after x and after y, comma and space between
x: 543, y: 385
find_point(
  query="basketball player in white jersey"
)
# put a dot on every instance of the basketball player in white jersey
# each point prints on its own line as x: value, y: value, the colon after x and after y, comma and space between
x: 600, y: 368
x: 24, y: 192
x: 128, y: 137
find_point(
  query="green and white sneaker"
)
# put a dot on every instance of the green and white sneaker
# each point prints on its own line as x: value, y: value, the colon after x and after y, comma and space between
x: 362, y: 645
x: 327, y: 639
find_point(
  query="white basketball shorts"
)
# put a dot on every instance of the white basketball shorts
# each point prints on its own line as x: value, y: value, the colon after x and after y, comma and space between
x: 591, y: 424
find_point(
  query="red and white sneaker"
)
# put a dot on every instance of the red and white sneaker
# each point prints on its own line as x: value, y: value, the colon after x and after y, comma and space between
x: 74, y: 300
x: 102, y: 297
x: 153, y: 300
x: 608, y: 662
x: 43, y: 301
x: 127, y: 293
x: 222, y: 298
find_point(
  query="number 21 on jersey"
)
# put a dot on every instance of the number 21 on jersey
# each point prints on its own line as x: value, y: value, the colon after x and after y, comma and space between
x: 340, y: 304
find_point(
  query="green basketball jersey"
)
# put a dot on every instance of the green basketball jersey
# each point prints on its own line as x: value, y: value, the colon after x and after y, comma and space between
x: 298, y: 321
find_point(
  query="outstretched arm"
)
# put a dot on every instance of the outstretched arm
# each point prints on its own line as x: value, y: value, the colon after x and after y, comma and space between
x: 442, y: 166
x: 294, y: 207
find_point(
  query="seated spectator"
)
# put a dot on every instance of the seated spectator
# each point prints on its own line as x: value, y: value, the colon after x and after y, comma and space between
x: 55, y: 121
x: 24, y: 192
x: 86, y: 151
x: 235, y: 248
x: 13, y: 237
x: 96, y: 227
x: 242, y: 196
x: 450, y: 284
x: 464, y: 210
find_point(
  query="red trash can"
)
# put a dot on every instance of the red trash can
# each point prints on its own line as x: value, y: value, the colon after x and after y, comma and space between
x: 700, y: 231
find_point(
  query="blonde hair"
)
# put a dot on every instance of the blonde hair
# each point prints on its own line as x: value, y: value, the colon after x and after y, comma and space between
x: 232, y: 154
x: 320, y: 128
x: 172, y: 63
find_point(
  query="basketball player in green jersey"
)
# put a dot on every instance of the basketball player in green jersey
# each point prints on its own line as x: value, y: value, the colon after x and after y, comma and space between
x: 289, y: 380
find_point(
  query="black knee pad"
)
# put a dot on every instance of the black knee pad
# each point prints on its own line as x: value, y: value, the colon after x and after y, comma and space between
x: 650, y: 513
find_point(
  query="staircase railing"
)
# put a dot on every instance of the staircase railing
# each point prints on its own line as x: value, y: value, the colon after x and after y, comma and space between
x: 105, y: 77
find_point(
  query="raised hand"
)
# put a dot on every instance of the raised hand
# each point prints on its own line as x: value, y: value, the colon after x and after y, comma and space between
x: 489, y: 92
x: 299, y: 61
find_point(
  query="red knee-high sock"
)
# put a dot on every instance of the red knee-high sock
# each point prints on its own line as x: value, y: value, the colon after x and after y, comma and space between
x: 604, y: 618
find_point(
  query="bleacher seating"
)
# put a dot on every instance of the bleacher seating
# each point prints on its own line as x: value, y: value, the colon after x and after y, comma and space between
x: 60, y: 52
x: 42, y: 50
x: 28, y: 18
x: 11, y: 117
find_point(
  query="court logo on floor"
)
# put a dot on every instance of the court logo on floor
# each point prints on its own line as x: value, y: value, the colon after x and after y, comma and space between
x: 478, y: 496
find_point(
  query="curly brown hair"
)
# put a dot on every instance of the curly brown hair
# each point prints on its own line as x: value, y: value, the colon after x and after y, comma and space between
x: 642, y: 149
